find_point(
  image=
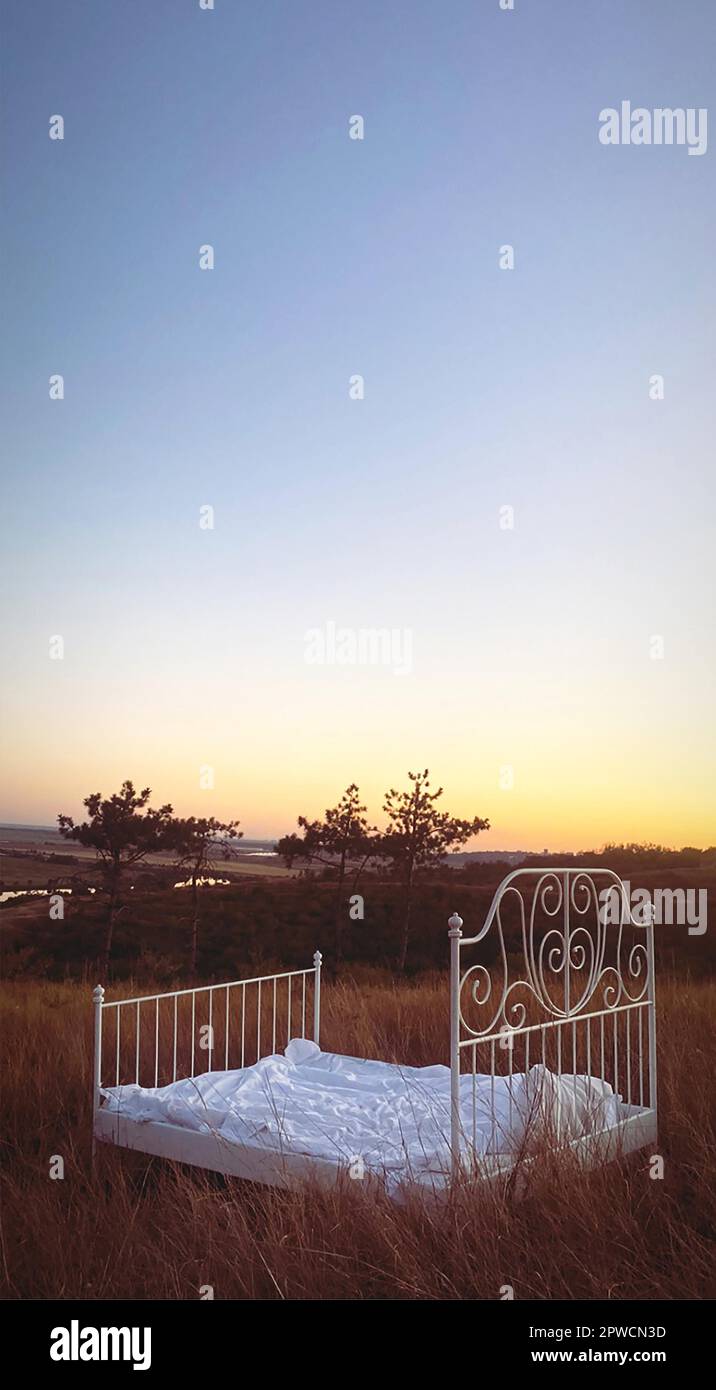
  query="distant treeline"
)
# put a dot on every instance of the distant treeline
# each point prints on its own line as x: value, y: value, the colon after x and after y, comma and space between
x: 646, y: 855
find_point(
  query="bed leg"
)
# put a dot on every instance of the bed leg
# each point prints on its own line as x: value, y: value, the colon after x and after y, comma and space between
x: 97, y: 1000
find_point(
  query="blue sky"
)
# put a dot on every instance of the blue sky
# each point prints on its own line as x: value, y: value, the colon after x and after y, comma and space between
x: 482, y: 388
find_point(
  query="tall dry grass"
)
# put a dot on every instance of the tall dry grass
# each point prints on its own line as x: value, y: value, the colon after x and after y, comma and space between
x: 142, y: 1228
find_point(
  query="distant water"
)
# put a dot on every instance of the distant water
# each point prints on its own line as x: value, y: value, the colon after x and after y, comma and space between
x: 36, y: 893
x: 67, y: 892
x: 202, y: 882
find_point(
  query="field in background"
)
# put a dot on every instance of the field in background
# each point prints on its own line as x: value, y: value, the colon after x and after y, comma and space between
x: 40, y: 858
x: 258, y: 916
x: 256, y: 926
x: 141, y: 1228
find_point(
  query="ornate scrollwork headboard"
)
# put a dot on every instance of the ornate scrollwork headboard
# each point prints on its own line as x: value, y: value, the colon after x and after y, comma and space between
x: 567, y: 943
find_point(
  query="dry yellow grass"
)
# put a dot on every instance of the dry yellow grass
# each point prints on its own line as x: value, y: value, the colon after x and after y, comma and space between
x: 141, y: 1228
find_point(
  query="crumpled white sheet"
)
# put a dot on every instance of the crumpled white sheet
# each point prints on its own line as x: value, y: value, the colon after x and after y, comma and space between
x: 394, y: 1120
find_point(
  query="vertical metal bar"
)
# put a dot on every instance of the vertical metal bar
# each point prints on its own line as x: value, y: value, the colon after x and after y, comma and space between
x: 211, y: 1027
x: 97, y: 999
x: 138, y: 1028
x: 317, y: 958
x: 174, y: 1067
x: 273, y: 1021
x: 651, y: 981
x: 156, y: 1041
x: 641, y: 1056
x: 258, y: 1024
x: 193, y: 1027
x: 493, y: 1130
x: 602, y: 1073
x: 303, y: 1006
x: 118, y: 1012
x: 628, y: 1054
x: 616, y: 1056
x: 454, y: 934
x: 288, y: 1025
x: 567, y: 991
x: 226, y: 1032
x: 474, y: 1097
x: 510, y: 1042
x: 243, y: 1023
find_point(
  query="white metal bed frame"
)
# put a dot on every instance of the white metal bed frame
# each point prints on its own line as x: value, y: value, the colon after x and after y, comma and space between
x: 579, y: 975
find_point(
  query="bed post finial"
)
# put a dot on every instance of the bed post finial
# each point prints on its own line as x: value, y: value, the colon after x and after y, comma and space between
x: 98, y: 1001
x: 454, y: 933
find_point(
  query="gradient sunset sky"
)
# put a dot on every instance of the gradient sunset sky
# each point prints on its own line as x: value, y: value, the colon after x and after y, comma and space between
x: 484, y: 388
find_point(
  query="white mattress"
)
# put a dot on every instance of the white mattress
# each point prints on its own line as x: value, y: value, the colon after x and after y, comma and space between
x: 390, y: 1120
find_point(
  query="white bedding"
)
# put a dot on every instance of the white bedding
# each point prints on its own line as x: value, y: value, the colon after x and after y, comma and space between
x: 373, y: 1116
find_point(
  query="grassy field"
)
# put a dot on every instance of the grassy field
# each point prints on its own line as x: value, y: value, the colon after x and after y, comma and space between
x: 141, y: 1228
